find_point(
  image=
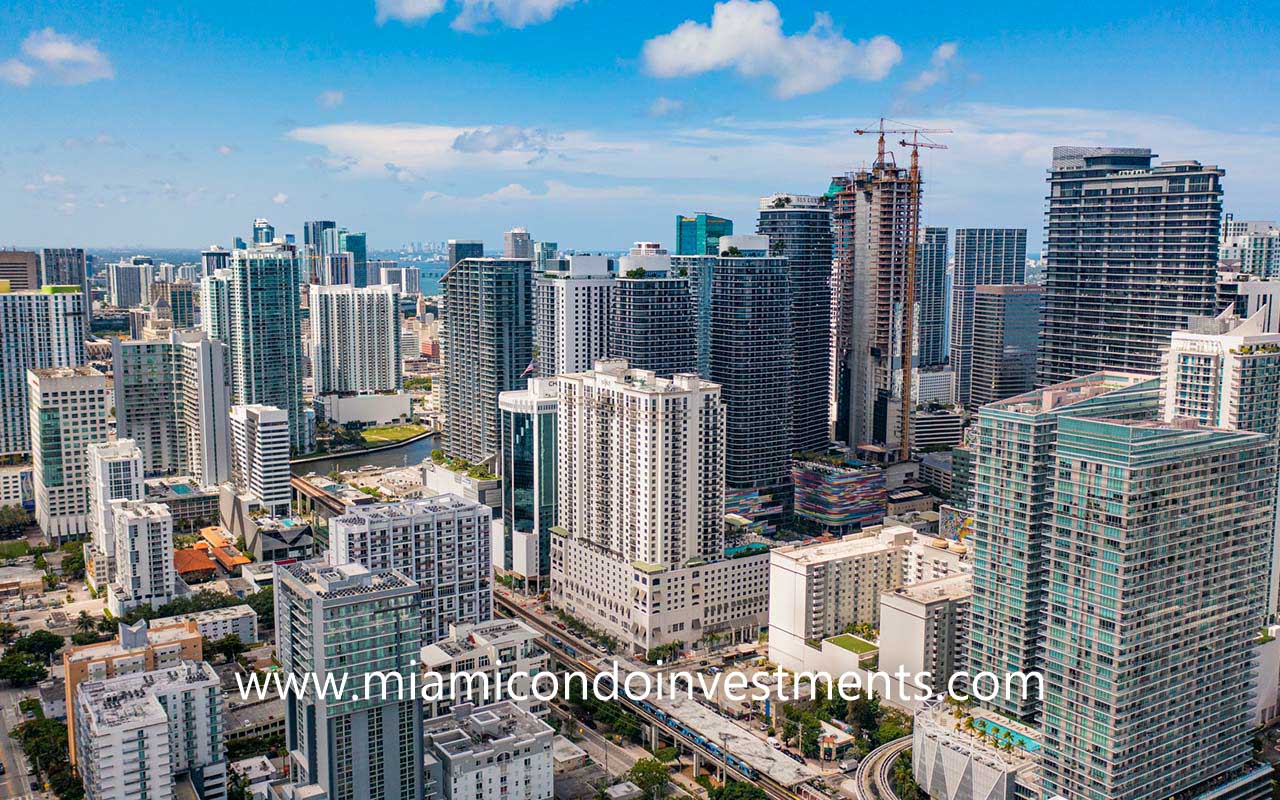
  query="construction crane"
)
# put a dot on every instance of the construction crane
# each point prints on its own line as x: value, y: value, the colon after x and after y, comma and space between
x: 909, y: 279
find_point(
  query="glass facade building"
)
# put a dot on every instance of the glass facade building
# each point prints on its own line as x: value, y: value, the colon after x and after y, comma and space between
x: 1006, y: 328
x: 528, y: 470
x: 699, y: 234
x: 984, y: 257
x: 1013, y: 478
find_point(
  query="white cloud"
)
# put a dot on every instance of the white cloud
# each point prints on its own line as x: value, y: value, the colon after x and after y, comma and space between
x: 940, y: 65
x: 665, y: 107
x: 512, y: 191
x: 330, y: 98
x: 68, y: 60
x: 50, y: 178
x: 747, y: 36
x: 472, y: 14
x: 406, y: 10
x: 280, y: 199
x: 16, y: 73
x: 226, y: 149
x: 512, y: 13
x: 554, y: 190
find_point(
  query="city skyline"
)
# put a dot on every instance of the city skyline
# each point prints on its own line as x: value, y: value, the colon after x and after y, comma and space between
x: 356, y: 137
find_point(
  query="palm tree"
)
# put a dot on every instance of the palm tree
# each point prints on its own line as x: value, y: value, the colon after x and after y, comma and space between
x: 85, y: 623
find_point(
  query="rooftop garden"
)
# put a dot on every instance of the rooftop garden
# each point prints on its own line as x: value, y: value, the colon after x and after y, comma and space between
x: 461, y: 465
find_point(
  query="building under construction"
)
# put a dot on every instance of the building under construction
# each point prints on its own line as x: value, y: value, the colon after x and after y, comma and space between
x: 872, y: 219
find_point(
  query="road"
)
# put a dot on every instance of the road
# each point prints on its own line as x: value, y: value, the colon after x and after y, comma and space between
x: 872, y: 779
x: 16, y: 781
x: 504, y: 605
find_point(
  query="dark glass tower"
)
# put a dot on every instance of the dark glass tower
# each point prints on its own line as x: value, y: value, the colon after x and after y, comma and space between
x: 799, y: 228
x: 699, y: 234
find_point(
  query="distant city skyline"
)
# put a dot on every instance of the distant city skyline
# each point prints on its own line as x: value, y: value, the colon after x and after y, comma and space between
x: 463, y: 124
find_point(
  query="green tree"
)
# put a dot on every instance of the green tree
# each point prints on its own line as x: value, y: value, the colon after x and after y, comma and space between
x: 8, y: 632
x: 41, y: 644
x: 228, y: 647
x: 263, y: 603
x: 651, y: 776
x: 21, y: 670
x: 737, y: 790
x: 85, y: 623
x: 13, y: 521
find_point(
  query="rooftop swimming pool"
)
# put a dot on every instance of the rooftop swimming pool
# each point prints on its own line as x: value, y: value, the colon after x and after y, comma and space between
x: 1000, y: 733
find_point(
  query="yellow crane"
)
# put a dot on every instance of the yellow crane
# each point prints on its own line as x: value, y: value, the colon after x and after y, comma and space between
x: 913, y: 235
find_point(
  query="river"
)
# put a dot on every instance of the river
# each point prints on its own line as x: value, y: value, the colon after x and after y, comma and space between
x: 412, y: 453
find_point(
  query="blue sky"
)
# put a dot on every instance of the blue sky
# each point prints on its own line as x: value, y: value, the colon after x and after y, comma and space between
x: 593, y: 122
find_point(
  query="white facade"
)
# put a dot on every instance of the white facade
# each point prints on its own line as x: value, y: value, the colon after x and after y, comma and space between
x: 15, y: 482
x: 68, y: 407
x: 439, y: 542
x: 367, y: 409
x: 144, y: 570
x: 493, y: 752
x: 571, y: 314
x: 129, y: 285
x: 949, y: 761
x: 639, y: 551
x: 40, y: 329
x: 218, y: 623
x: 136, y: 734
x: 1252, y: 247
x: 355, y: 339
x: 505, y: 646
x: 260, y: 455
x: 115, y: 473
x: 818, y: 590
x: 1266, y: 684
x: 924, y: 631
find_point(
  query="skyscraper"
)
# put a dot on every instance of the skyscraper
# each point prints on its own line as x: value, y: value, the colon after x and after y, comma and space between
x: 1224, y: 372
x: 21, y: 268
x: 260, y: 455
x: 172, y: 397
x: 364, y: 748
x: 68, y: 412
x: 181, y: 299
x: 571, y: 313
x: 129, y: 284
x: 984, y: 257
x: 529, y: 481
x: 639, y: 549
x: 930, y: 349
x: 699, y: 234
x: 214, y: 259
x: 115, y: 473
x: 871, y: 218
x: 357, y: 244
x: 48, y: 331
x: 516, y: 243
x: 651, y: 318
x: 355, y: 339
x: 1250, y: 247
x: 1159, y: 537
x: 66, y: 266
x: 1006, y: 328
x: 799, y: 228
x: 1013, y: 475
x: 265, y: 330
x: 487, y: 344
x: 441, y: 543
x: 1131, y: 254
x: 459, y: 249
x: 742, y: 301
x: 263, y: 231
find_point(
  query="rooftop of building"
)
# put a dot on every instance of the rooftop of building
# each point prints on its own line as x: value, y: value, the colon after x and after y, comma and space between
x: 341, y: 581
x: 156, y: 636
x: 869, y: 540
x: 468, y: 729
x: 209, y: 615
x: 442, y: 503
x: 1061, y: 395
x: 952, y: 587
x: 132, y: 698
x: 617, y: 372
x: 187, y: 561
x: 78, y: 371
x: 179, y: 487
x: 118, y: 448
x: 467, y: 638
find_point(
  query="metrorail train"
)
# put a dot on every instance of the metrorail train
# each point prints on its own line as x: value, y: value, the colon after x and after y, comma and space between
x: 711, y: 747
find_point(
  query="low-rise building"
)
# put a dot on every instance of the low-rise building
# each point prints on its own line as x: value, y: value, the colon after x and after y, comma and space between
x: 218, y: 623
x: 493, y: 752
x: 360, y: 410
x: 1266, y: 683
x: 499, y: 648
x: 190, y: 503
x: 971, y: 754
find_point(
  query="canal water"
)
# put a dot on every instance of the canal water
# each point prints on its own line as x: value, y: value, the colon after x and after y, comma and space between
x: 412, y: 453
